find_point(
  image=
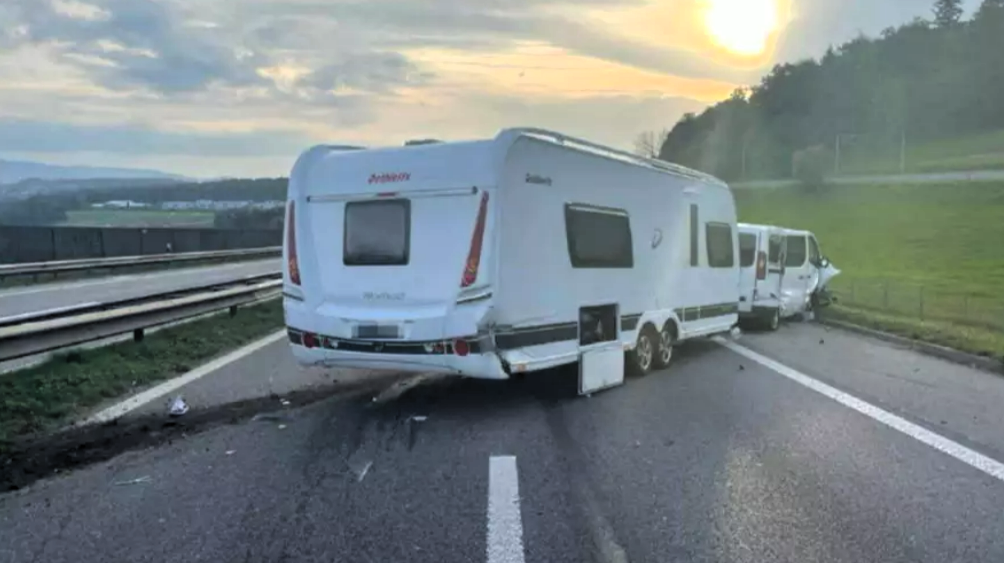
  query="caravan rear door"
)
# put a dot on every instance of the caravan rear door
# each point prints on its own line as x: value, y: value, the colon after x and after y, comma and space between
x: 400, y: 259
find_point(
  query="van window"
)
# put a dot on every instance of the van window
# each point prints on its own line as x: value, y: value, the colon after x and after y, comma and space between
x: 814, y: 255
x: 377, y: 233
x: 695, y: 234
x: 720, y: 253
x: 747, y: 249
x: 774, y: 249
x: 796, y: 251
x: 598, y: 237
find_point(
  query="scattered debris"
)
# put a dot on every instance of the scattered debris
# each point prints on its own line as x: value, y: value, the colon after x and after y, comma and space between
x: 270, y: 417
x: 821, y: 341
x: 178, y: 406
x: 364, y: 471
x: 284, y: 402
x: 282, y: 427
x: 420, y: 418
x: 231, y: 452
x: 742, y: 367
x: 736, y: 333
x: 136, y: 481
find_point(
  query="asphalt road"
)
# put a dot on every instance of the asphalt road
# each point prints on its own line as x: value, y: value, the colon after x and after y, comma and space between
x: 720, y: 458
x: 55, y: 296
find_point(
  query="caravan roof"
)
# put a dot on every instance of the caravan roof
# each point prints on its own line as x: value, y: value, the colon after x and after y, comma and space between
x: 347, y: 169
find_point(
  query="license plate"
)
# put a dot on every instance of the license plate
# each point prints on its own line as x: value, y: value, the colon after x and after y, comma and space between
x: 377, y: 331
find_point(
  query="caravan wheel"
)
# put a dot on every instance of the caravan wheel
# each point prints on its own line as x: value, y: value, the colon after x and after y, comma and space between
x: 643, y: 357
x: 666, y: 340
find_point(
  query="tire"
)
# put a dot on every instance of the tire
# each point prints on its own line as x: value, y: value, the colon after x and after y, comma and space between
x: 642, y: 359
x: 772, y: 321
x: 664, y: 351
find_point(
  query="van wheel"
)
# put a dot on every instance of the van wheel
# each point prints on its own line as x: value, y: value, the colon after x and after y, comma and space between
x: 642, y: 359
x: 773, y: 321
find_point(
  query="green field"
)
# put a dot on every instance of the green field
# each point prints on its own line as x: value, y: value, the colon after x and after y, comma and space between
x: 138, y: 218
x: 984, y: 151
x: 923, y: 259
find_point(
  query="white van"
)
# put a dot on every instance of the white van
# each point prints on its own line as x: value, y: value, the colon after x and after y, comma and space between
x: 806, y: 274
x: 502, y: 256
x: 761, y: 269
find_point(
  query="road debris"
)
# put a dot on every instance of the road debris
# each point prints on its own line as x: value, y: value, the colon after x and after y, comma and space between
x: 178, y: 406
x: 270, y: 417
x: 136, y: 481
x: 420, y: 418
x: 364, y: 471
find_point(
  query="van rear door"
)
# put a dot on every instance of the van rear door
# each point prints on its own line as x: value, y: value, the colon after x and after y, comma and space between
x: 749, y: 243
x: 400, y: 256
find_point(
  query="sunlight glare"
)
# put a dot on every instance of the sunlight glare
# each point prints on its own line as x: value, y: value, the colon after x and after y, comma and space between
x: 742, y: 26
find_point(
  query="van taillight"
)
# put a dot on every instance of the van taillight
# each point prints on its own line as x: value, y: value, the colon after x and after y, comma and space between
x: 761, y: 265
x: 474, y: 256
x: 292, y: 264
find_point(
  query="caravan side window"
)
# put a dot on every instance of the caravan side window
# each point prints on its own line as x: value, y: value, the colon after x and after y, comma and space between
x: 695, y: 237
x: 796, y: 251
x: 598, y: 237
x: 747, y: 249
x: 720, y: 247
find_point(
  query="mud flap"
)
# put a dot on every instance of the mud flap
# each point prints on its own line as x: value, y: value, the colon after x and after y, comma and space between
x: 601, y: 368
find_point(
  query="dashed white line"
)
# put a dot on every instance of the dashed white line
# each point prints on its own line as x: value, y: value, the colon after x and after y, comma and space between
x: 505, y: 523
x: 966, y: 455
x: 137, y: 401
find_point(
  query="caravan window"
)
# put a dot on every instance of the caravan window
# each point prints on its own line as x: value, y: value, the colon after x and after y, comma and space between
x: 377, y: 233
x: 747, y: 249
x: 796, y: 251
x: 814, y: 255
x: 598, y: 237
x: 694, y: 236
x: 720, y: 249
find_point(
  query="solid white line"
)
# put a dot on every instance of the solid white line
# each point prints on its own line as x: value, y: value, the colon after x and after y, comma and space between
x: 47, y: 311
x: 136, y: 401
x: 966, y: 455
x: 505, y: 524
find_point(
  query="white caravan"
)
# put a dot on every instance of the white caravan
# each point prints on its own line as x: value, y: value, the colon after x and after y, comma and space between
x: 503, y: 256
x: 806, y: 273
x: 761, y: 269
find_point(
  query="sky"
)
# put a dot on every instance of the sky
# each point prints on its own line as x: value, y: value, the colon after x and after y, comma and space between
x: 214, y: 88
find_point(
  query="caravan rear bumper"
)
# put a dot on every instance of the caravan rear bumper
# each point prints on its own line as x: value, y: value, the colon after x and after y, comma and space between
x: 313, y: 349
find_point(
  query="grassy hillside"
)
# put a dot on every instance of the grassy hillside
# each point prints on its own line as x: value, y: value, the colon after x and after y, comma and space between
x: 932, y: 256
x: 138, y: 218
x: 983, y: 151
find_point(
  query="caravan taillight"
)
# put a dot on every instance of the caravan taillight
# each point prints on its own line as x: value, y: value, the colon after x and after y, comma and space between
x: 474, y: 256
x: 761, y: 265
x: 292, y: 263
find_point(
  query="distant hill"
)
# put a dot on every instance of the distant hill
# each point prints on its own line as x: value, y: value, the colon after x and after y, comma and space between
x: 13, y: 171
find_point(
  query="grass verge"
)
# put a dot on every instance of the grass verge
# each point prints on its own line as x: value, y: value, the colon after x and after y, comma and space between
x: 44, y: 397
x: 974, y: 340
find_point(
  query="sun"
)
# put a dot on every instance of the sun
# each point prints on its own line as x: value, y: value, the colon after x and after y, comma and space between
x: 741, y: 26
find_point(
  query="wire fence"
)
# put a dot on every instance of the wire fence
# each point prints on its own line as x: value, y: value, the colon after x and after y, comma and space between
x: 923, y: 303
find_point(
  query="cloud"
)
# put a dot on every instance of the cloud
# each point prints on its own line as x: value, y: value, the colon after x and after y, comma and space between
x: 210, y: 84
x: 24, y: 136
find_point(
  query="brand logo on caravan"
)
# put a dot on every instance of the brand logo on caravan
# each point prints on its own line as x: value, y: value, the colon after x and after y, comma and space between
x: 388, y: 177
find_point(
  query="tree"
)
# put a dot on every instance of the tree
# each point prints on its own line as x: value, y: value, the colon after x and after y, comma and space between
x: 947, y: 12
x: 649, y: 143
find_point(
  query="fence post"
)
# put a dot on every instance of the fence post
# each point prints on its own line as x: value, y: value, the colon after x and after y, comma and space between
x: 885, y: 295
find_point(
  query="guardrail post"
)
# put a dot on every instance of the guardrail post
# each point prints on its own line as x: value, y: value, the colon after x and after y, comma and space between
x: 137, y: 335
x: 233, y: 310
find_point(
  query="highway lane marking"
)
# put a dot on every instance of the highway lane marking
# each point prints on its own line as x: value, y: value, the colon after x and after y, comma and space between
x: 505, y: 522
x: 966, y: 455
x: 136, y: 401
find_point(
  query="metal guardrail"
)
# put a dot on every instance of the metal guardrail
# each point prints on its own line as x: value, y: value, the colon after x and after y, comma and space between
x: 35, y: 268
x: 75, y: 327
